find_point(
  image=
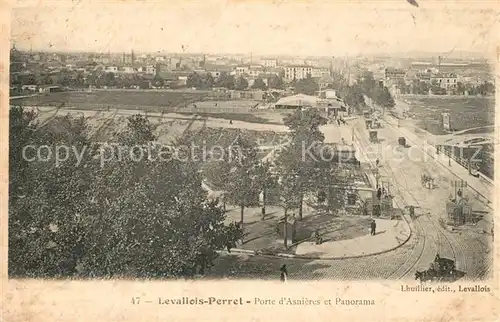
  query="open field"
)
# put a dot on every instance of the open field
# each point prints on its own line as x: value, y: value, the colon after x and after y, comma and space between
x: 89, y: 100
x: 465, y: 112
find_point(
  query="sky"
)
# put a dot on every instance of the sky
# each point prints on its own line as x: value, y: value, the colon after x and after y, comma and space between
x: 316, y: 28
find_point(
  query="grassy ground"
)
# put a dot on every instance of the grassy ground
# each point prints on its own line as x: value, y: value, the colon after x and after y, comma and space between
x: 466, y: 112
x: 116, y: 98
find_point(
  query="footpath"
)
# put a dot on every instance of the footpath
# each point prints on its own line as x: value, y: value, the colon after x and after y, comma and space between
x: 390, y: 234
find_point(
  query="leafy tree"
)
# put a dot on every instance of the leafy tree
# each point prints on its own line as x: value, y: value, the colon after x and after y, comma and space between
x: 265, y: 181
x: 225, y: 80
x: 242, y: 190
x: 306, y: 86
x: 420, y: 87
x: 259, y: 84
x: 194, y: 80
x: 121, y: 218
x: 158, y: 81
x: 381, y: 96
x: 109, y: 79
x: 139, y: 130
x: 208, y: 81
x: 302, y: 157
x: 275, y: 82
x: 240, y: 84
x: 460, y: 88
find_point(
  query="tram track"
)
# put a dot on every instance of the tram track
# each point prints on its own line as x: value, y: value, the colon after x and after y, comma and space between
x: 466, y: 251
x: 420, y: 241
x: 425, y: 228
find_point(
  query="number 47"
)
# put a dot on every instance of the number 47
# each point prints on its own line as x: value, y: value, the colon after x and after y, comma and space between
x: 136, y: 300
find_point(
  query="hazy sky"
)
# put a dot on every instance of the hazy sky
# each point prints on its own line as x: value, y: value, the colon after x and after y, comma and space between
x: 307, y: 28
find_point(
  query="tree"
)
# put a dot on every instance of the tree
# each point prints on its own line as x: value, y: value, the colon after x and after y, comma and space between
x: 139, y: 130
x: 306, y: 86
x: 275, y: 82
x: 194, y: 80
x: 259, y: 84
x: 158, y: 81
x: 302, y: 157
x: 265, y: 181
x: 381, y: 96
x: 225, y: 80
x: 242, y: 189
x: 460, y: 88
x: 208, y: 81
x: 124, y: 217
x: 240, y: 83
x: 109, y: 79
x: 288, y: 195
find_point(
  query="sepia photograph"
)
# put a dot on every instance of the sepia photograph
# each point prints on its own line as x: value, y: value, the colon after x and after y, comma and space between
x: 282, y: 143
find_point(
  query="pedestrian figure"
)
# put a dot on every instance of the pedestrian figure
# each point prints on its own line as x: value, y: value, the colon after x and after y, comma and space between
x: 459, y: 193
x: 284, y: 273
x: 317, y: 237
x: 338, y: 122
x: 373, y: 226
x: 377, y: 162
x: 379, y: 193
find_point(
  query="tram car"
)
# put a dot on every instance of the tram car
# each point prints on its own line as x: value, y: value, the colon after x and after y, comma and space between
x: 440, y: 269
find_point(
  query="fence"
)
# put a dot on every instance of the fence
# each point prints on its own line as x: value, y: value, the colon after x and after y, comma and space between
x: 464, y: 162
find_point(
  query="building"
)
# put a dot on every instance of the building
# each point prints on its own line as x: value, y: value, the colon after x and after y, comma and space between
x: 297, y: 101
x: 270, y: 62
x: 320, y: 72
x: 445, y: 81
x: 297, y: 72
x: 394, y: 74
x: 424, y: 77
x: 241, y: 70
x: 50, y: 89
x: 127, y: 70
x: 151, y: 69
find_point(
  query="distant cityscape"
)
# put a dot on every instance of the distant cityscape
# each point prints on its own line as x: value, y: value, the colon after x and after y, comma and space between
x: 32, y: 71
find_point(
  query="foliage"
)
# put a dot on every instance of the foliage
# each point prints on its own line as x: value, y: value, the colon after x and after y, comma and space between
x: 225, y: 80
x: 419, y: 87
x: 122, y: 218
x: 242, y: 189
x: 259, y: 84
x: 307, y: 86
x: 240, y: 84
x: 301, y: 164
x: 375, y: 90
x: 275, y: 82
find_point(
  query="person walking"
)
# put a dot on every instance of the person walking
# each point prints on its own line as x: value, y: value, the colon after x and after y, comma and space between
x: 284, y: 273
x: 373, y: 227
